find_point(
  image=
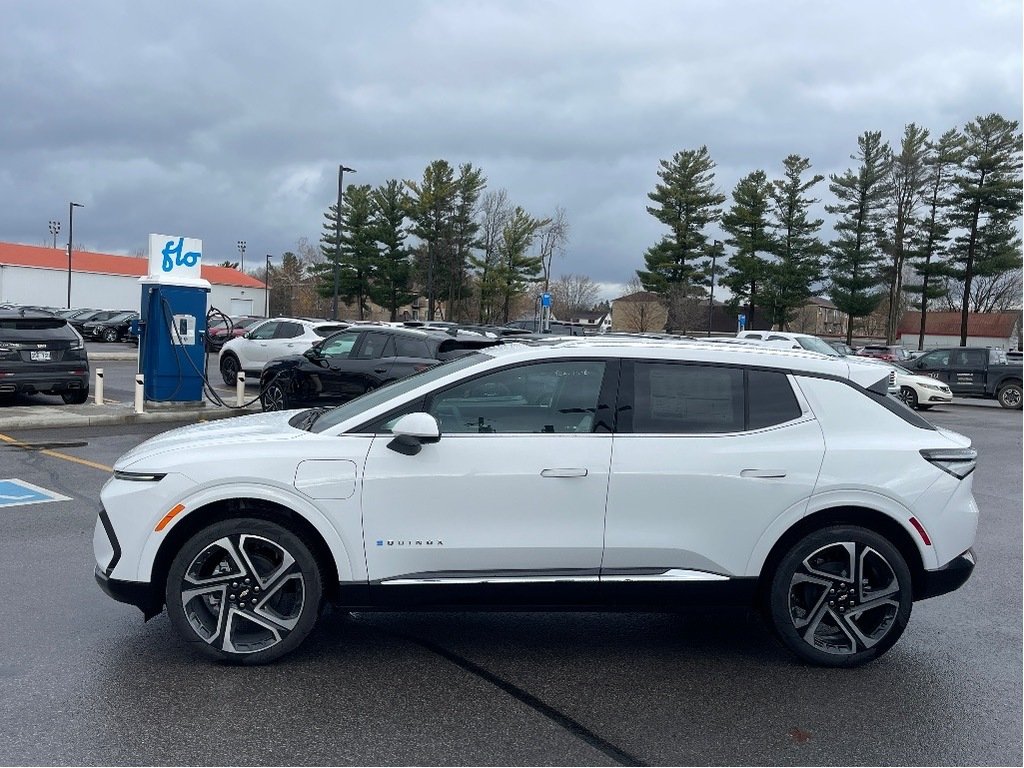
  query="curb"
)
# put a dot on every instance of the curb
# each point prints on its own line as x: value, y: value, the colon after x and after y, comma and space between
x: 111, y: 356
x: 55, y: 418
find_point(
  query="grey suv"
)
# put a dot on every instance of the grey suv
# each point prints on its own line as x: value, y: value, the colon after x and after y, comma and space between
x: 41, y: 353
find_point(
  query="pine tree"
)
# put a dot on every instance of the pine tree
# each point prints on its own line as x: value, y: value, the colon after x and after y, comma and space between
x: 469, y: 185
x: 686, y: 202
x: 356, y: 259
x: 987, y: 195
x: 907, y: 179
x: 432, y: 206
x: 929, y: 246
x: 854, y: 269
x: 517, y: 269
x: 789, y: 280
x: 393, y: 275
x: 747, y: 223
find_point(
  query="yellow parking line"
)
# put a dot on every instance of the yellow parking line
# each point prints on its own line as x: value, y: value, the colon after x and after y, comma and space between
x: 57, y: 454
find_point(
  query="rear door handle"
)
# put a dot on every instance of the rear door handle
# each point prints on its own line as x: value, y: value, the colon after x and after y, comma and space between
x: 564, y: 472
x: 764, y: 473
x: 380, y: 370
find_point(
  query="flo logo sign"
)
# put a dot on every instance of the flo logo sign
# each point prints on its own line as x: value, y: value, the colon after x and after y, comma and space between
x: 15, y: 493
x: 174, y: 256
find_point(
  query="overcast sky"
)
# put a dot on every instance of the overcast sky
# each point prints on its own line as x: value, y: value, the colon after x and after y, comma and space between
x: 227, y: 120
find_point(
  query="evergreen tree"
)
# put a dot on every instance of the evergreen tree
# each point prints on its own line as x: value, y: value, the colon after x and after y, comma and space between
x: 464, y: 229
x: 358, y: 256
x: 747, y: 224
x: 517, y: 269
x: 686, y: 202
x: 987, y: 196
x: 432, y: 206
x: 393, y: 275
x: 854, y: 269
x: 908, y: 180
x: 929, y: 246
x: 789, y: 280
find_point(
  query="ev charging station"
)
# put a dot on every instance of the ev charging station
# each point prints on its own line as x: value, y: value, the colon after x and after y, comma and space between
x: 172, y: 321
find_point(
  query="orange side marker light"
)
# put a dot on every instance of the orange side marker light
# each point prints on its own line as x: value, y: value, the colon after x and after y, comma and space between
x: 175, y: 511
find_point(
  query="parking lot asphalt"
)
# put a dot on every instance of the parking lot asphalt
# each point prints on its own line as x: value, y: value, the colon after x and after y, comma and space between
x: 83, y: 680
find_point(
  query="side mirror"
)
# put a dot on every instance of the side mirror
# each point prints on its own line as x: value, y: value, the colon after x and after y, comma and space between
x: 412, y: 432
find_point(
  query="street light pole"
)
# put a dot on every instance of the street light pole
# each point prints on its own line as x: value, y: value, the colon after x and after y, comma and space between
x: 71, y: 241
x: 241, y: 250
x: 711, y: 301
x: 54, y: 230
x: 337, y: 237
x: 266, y: 289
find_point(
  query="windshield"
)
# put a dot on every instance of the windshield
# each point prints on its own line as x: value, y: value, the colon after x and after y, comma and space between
x: 814, y: 344
x: 394, y: 390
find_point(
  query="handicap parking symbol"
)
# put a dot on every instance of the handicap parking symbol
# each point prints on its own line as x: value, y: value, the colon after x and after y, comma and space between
x: 15, y: 492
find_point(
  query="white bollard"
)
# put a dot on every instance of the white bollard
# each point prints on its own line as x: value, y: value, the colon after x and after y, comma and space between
x: 99, y: 386
x: 240, y: 389
x: 139, y: 393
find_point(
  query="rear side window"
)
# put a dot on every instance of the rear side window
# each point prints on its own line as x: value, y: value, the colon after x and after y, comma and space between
x: 323, y: 331
x: 770, y: 399
x: 408, y: 347
x: 288, y: 330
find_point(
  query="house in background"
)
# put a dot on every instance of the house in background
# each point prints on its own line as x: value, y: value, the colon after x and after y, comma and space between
x: 819, y: 317
x: 640, y: 312
x: 1000, y: 330
x: 592, y: 322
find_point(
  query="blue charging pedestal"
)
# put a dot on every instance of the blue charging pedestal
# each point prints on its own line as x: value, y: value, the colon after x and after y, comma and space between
x: 172, y: 328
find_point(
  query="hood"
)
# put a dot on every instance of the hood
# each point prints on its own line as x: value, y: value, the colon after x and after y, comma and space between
x: 259, y: 427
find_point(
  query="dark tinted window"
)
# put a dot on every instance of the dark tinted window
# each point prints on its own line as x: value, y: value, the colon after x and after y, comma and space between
x: 937, y: 359
x: 687, y: 399
x: 326, y: 330
x: 410, y: 347
x: 770, y: 399
x: 971, y: 358
x: 374, y: 346
x: 34, y: 329
x: 287, y: 330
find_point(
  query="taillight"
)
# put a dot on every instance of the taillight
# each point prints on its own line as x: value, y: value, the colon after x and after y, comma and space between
x: 959, y: 462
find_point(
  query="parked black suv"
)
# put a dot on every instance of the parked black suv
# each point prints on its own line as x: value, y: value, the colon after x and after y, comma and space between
x: 115, y: 328
x: 40, y: 353
x: 356, y: 360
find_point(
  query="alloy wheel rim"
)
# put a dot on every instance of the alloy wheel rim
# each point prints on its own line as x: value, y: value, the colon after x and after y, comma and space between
x: 844, y: 598
x: 243, y: 593
x: 1012, y: 397
x: 273, y: 398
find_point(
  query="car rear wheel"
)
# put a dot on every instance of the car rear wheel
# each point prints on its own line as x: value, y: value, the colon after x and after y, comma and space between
x: 229, y: 369
x: 75, y: 396
x: 246, y: 591
x: 1010, y: 396
x: 275, y: 398
x: 840, y: 596
x: 908, y: 396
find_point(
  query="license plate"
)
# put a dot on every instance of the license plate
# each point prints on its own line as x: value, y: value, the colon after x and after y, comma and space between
x: 43, y: 355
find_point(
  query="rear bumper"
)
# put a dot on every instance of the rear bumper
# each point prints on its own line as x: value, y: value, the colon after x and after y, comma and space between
x: 948, y: 578
x: 52, y: 382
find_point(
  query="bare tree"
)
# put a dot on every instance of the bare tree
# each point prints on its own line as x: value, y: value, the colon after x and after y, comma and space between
x: 552, y: 242
x: 496, y: 210
x: 572, y: 293
x: 991, y: 293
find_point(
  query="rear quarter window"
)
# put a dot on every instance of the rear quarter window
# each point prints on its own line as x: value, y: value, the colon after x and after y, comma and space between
x: 770, y: 399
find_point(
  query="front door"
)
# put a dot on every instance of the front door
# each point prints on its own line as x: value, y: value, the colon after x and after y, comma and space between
x: 508, y: 506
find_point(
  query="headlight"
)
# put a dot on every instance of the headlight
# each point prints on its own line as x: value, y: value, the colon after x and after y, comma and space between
x: 139, y: 477
x: 936, y: 387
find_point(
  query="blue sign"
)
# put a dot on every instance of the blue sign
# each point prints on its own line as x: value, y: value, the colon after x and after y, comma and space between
x: 187, y: 259
x: 743, y: 321
x: 545, y: 299
x: 14, y: 493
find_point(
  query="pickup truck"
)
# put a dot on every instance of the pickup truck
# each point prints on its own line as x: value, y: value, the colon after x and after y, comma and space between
x: 973, y: 372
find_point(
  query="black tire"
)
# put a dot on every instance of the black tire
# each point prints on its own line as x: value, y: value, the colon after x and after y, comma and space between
x: 228, y: 618
x: 75, y: 396
x: 909, y: 396
x: 229, y: 369
x: 1010, y: 396
x: 819, y: 614
x: 275, y: 397
x: 110, y: 334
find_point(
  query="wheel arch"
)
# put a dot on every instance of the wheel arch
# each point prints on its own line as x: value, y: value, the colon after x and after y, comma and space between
x: 865, y: 517
x: 217, y: 510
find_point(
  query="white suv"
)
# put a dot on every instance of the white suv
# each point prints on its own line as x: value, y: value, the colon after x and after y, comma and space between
x: 269, y: 340
x: 580, y: 473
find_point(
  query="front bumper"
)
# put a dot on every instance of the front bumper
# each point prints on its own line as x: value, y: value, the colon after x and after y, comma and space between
x: 948, y: 578
x: 137, y: 593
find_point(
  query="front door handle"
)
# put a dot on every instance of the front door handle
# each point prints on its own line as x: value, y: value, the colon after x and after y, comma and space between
x: 564, y: 472
x: 380, y: 370
x: 764, y: 473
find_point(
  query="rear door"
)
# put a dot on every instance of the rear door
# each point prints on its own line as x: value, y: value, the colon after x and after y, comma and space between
x: 366, y: 367
x: 706, y: 457
x: 970, y: 367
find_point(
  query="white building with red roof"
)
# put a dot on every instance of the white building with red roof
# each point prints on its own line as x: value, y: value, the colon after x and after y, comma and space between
x: 31, y: 274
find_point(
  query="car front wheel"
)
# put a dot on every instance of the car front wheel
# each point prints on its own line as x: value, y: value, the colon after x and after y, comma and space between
x: 908, y: 396
x: 244, y: 590
x: 275, y: 398
x: 110, y: 335
x: 229, y: 369
x: 840, y: 596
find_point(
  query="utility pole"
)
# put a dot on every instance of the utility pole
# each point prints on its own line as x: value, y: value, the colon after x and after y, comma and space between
x: 711, y: 300
x: 337, y: 237
x: 71, y: 241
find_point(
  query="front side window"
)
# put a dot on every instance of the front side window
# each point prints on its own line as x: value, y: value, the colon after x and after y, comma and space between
x: 546, y: 398
x: 339, y: 346
x: 937, y: 359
